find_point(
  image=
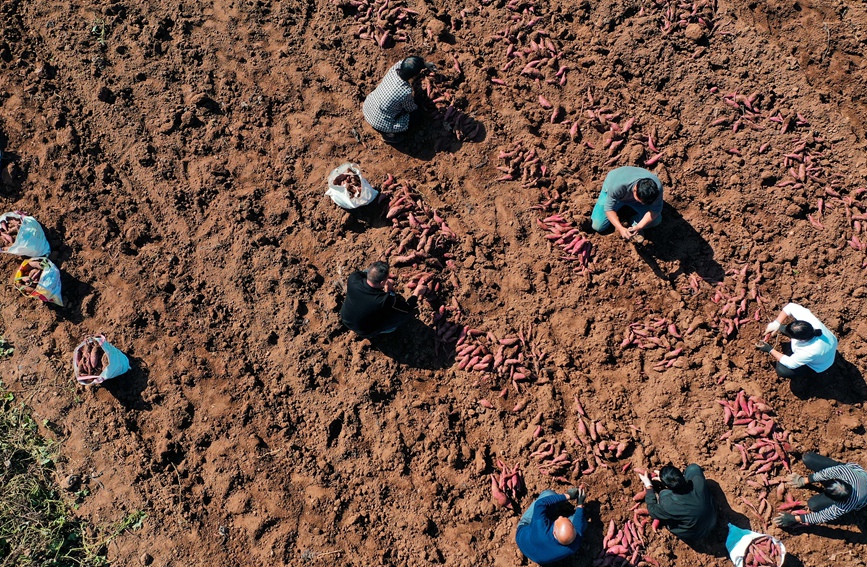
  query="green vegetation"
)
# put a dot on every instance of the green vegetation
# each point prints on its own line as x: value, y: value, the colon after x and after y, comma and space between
x: 6, y: 348
x: 36, y: 524
x: 99, y: 30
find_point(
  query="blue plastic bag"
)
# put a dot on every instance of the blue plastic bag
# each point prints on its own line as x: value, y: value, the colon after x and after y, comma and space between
x: 30, y: 240
x: 118, y: 363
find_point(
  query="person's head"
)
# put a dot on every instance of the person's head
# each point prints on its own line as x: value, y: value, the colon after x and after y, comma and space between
x: 564, y: 531
x: 673, y: 479
x: 838, y: 490
x: 410, y: 67
x: 800, y: 330
x: 646, y: 191
x: 377, y: 273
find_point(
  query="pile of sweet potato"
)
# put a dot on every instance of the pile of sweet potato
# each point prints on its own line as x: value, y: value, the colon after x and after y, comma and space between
x: 92, y: 359
x: 9, y: 228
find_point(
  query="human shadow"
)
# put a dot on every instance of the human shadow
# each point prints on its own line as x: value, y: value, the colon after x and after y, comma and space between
x: 413, y: 344
x: 10, y: 173
x: 371, y: 215
x: 436, y: 130
x: 675, y: 240
x: 127, y: 388
x: 74, y: 291
x: 843, y: 382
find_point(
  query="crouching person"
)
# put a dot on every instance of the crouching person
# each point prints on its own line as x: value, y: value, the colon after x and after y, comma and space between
x: 685, y: 505
x: 546, y: 536
x: 371, y: 306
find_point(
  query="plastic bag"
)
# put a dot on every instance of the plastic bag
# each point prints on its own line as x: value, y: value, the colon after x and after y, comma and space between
x: 40, y: 278
x: 28, y: 240
x: 345, y: 197
x: 97, y: 354
x: 739, y: 540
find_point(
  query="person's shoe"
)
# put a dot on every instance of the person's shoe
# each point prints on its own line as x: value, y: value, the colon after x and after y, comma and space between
x: 392, y: 137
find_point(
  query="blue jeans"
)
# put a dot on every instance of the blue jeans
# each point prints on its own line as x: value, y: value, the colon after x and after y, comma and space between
x: 601, y: 222
x: 528, y: 515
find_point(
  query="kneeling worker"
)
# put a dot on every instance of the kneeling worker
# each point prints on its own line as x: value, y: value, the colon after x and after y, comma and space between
x: 845, y: 490
x: 632, y: 187
x: 389, y: 106
x: 813, y: 346
x: 545, y: 537
x: 685, y: 506
x: 371, y: 306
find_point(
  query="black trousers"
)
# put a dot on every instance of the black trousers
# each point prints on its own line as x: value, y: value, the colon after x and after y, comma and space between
x: 389, y: 324
x: 816, y: 462
x: 800, y: 372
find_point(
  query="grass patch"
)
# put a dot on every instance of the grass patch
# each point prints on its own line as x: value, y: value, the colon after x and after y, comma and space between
x: 36, y: 523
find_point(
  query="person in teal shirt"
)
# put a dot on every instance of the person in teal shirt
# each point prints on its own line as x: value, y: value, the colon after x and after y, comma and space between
x: 545, y: 537
x: 635, y: 188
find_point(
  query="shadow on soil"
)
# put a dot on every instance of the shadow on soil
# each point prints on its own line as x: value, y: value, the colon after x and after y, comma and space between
x: 675, y: 240
x: 73, y: 290
x: 843, y: 382
x: 434, y: 131
x: 413, y: 344
x: 127, y: 388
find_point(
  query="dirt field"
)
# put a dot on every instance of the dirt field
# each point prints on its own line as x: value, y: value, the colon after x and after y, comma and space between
x: 177, y: 154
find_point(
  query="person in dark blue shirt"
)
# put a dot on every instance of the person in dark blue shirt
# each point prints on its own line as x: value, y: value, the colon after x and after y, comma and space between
x: 545, y: 536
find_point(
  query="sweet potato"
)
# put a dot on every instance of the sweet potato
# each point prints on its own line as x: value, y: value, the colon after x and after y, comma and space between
x: 499, y: 497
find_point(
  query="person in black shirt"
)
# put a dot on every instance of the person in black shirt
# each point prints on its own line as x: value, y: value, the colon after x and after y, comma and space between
x: 685, y: 506
x: 371, y: 306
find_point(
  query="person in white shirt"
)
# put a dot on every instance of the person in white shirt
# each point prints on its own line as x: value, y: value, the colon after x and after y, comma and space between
x: 813, y: 345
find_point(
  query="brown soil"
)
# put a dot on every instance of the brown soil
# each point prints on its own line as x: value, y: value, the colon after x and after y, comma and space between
x: 179, y: 168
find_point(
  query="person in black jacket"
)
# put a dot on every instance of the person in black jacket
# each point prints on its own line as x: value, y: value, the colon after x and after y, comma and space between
x: 685, y: 506
x: 371, y: 306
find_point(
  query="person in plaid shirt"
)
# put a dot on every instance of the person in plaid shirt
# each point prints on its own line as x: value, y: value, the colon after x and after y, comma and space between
x: 389, y: 106
x: 845, y: 491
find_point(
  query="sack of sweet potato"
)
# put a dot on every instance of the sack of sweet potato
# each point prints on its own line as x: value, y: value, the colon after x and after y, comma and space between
x: 22, y: 234
x: 96, y: 360
x: 39, y: 278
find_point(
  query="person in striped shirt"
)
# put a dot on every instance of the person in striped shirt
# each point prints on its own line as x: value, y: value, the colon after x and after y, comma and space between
x: 389, y: 106
x: 845, y: 491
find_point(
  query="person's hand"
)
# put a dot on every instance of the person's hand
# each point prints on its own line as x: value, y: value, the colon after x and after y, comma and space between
x: 388, y: 286
x: 772, y: 327
x: 645, y: 479
x: 798, y: 481
x: 785, y: 520
x: 430, y: 66
x: 580, y: 497
x: 764, y: 347
x: 572, y: 493
x: 625, y: 233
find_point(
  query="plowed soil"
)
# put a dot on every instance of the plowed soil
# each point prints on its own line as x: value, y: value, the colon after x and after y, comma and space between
x: 176, y: 154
